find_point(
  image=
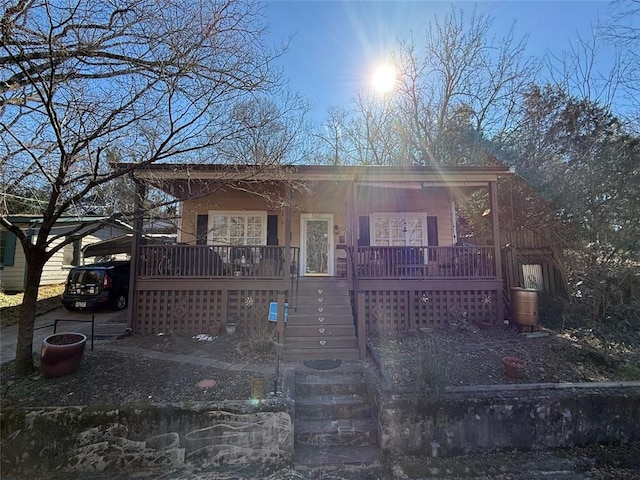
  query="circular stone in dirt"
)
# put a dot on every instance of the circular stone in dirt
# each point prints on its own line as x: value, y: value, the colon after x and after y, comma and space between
x: 206, y: 383
x: 322, y: 364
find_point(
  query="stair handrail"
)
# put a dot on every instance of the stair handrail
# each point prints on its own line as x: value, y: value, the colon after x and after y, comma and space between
x: 357, y: 315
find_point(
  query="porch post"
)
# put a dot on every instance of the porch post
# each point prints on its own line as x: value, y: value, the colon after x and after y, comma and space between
x: 493, y: 205
x: 350, y: 229
x: 361, y: 329
x: 287, y: 234
x: 353, y: 237
x: 136, y: 241
x: 359, y: 299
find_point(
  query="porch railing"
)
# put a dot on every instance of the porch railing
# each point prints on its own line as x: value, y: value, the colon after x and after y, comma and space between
x: 268, y: 262
x: 425, y: 262
x: 222, y: 261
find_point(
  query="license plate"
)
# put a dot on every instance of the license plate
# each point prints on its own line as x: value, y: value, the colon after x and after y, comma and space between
x: 81, y: 304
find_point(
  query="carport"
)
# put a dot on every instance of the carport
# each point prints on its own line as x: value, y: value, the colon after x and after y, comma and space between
x: 122, y: 245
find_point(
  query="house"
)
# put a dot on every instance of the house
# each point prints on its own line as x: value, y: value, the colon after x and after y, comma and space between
x: 351, y: 249
x: 12, y: 259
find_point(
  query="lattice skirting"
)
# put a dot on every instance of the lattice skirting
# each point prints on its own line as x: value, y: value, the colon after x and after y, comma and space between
x: 200, y: 311
x: 399, y: 310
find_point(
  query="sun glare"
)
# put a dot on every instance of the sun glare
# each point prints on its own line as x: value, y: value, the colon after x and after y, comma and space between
x: 384, y: 78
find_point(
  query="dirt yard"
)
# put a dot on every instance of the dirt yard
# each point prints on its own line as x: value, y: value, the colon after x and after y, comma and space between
x: 442, y: 358
x: 111, y: 378
x: 414, y: 361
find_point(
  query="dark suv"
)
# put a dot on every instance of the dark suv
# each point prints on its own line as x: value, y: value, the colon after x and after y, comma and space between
x: 101, y: 284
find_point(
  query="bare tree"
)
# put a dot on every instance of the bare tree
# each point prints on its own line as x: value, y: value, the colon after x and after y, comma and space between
x: 272, y: 131
x: 154, y: 80
x: 331, y: 138
x: 576, y: 71
x: 462, y: 73
x: 457, y: 84
x: 622, y: 29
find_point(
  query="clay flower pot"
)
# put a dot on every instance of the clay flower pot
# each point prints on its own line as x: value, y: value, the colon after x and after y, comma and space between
x: 61, y: 354
x: 485, y: 324
x: 513, y: 367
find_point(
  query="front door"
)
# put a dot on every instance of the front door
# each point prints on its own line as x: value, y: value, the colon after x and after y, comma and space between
x: 316, y: 257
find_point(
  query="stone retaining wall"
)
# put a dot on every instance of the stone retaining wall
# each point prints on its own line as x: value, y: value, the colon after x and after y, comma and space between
x: 484, y: 418
x: 40, y: 441
x: 106, y: 439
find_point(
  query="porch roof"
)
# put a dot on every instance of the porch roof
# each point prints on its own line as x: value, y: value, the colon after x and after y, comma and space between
x: 164, y: 175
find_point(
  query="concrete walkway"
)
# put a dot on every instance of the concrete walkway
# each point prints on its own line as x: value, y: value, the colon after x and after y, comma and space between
x: 108, y: 325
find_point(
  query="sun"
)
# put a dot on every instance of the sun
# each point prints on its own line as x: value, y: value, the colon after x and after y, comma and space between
x: 384, y: 78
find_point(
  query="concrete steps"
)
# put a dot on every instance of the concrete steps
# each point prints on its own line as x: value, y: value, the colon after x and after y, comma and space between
x: 331, y: 407
x: 320, y: 322
x: 319, y: 384
x: 333, y: 421
x: 336, y: 456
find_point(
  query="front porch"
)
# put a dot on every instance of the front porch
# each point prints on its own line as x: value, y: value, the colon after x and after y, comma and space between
x: 196, y: 288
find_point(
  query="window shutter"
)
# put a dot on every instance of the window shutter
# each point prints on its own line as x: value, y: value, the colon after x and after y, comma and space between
x: 8, y: 248
x: 432, y: 235
x: 202, y: 225
x: 363, y: 229
x: 432, y: 231
x: 272, y: 230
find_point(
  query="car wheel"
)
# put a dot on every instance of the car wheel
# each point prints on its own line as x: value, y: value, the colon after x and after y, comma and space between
x: 121, y: 301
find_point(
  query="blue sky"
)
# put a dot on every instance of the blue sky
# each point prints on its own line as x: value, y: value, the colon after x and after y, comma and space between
x: 336, y: 44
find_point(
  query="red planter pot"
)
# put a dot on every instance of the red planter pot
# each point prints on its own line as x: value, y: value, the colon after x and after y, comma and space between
x: 485, y: 324
x: 61, y: 354
x: 513, y: 367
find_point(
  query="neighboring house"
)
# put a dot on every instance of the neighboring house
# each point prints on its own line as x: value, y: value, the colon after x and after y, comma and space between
x: 351, y: 249
x: 12, y: 259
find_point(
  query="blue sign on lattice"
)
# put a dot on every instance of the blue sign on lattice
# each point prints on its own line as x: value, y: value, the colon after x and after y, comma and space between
x: 273, y: 311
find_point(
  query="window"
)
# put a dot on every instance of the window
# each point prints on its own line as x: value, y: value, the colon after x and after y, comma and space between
x: 238, y: 228
x: 532, y: 274
x: 399, y: 229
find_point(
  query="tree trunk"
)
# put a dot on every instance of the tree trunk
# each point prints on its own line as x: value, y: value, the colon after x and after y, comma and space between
x: 35, y: 260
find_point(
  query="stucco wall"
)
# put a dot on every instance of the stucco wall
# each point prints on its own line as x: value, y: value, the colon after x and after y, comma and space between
x: 107, y: 439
